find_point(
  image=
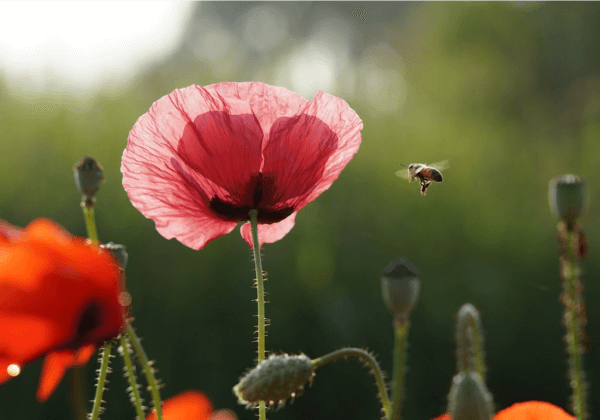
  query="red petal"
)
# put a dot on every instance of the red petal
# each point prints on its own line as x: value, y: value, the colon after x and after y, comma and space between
x: 25, y: 338
x: 192, y: 145
x: 446, y: 416
x: 56, y: 292
x: 269, y: 233
x: 189, y: 405
x: 533, y: 410
x: 306, y: 153
x: 56, y: 364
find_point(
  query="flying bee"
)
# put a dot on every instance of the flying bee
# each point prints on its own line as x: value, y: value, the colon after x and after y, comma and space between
x: 425, y: 174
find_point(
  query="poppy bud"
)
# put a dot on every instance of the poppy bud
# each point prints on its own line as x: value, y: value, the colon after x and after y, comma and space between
x: 119, y: 252
x: 469, y: 398
x: 469, y: 340
x: 567, y: 198
x: 88, y: 176
x: 275, y: 379
x: 400, y: 287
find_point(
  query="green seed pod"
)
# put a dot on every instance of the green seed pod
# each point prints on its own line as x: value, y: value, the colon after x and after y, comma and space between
x: 275, y: 380
x: 88, y: 176
x: 567, y: 196
x: 469, y: 398
x: 400, y: 287
x: 119, y: 252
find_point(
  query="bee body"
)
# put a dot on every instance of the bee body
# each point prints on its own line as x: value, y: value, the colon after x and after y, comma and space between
x: 425, y: 174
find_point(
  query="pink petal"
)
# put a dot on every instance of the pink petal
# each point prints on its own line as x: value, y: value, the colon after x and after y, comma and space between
x: 8, y: 231
x: 306, y: 153
x: 191, y: 146
x: 269, y: 233
x: 268, y: 103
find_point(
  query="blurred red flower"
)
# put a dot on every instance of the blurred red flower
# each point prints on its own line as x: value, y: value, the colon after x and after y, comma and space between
x: 191, y: 405
x: 59, y: 297
x: 202, y: 157
x: 528, y: 410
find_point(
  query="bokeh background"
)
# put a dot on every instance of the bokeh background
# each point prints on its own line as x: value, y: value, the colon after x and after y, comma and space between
x: 508, y: 92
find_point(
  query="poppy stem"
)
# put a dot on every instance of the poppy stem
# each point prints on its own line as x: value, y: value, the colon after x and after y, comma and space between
x: 401, y: 326
x: 366, y: 357
x: 90, y: 222
x: 136, y: 399
x: 148, y: 370
x: 104, y: 362
x: 574, y: 315
x: 260, y: 299
x: 76, y: 383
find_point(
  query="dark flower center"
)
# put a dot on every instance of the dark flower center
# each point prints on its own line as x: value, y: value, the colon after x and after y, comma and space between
x: 90, y: 319
x: 236, y: 213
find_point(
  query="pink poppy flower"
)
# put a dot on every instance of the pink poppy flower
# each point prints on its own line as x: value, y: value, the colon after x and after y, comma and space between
x: 202, y: 157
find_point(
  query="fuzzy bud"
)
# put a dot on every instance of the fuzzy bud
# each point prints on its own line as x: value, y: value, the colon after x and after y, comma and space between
x: 470, y: 354
x: 119, y: 252
x: 88, y: 176
x: 567, y: 198
x: 275, y: 380
x: 400, y: 287
x: 469, y: 398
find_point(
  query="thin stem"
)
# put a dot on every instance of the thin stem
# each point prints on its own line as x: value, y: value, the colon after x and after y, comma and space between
x: 260, y: 300
x: 76, y: 391
x: 135, y: 393
x: 366, y: 357
x: 90, y: 222
x: 572, y: 302
x: 104, y: 362
x: 76, y: 383
x: 148, y: 370
x: 401, y: 327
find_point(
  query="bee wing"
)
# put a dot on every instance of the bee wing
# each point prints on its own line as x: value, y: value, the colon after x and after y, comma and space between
x: 402, y: 173
x: 440, y: 166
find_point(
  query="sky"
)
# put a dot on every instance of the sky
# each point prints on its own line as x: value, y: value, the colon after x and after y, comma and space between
x: 82, y: 44
x: 85, y: 46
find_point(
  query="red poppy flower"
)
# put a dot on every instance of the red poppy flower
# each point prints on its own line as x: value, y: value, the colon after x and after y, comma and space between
x: 202, y: 157
x: 528, y: 410
x: 191, y: 405
x: 58, y: 297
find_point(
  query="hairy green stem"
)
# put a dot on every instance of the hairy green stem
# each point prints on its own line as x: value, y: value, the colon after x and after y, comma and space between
x: 401, y: 327
x: 572, y: 302
x: 260, y: 299
x: 135, y: 393
x: 76, y: 382
x: 104, y: 362
x: 90, y: 222
x: 148, y: 370
x: 366, y: 357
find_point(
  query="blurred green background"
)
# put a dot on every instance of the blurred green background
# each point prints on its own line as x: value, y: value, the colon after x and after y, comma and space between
x: 508, y: 92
